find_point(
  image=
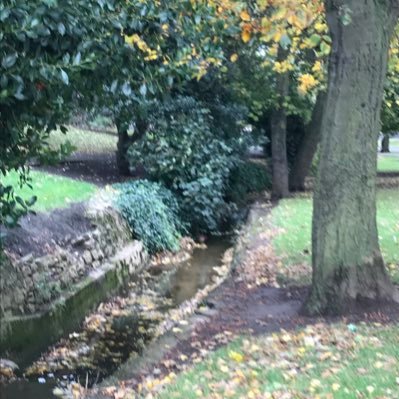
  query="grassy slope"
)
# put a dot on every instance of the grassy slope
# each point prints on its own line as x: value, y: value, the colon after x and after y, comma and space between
x: 293, y: 218
x: 52, y: 191
x: 85, y: 141
x: 325, y: 362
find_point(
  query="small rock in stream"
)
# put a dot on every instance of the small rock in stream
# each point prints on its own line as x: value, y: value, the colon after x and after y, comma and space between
x: 7, y: 368
x: 41, y: 380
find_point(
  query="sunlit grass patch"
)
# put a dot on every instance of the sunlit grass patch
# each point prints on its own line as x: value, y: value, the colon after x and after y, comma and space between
x: 84, y: 141
x: 51, y: 190
x: 388, y: 162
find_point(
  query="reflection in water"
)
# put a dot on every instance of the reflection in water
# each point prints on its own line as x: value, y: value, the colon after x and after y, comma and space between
x: 27, y: 390
x: 197, y: 272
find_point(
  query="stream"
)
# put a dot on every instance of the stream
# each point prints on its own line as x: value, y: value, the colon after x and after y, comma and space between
x: 130, y: 333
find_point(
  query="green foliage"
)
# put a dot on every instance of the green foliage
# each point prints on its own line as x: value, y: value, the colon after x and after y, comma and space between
x: 184, y: 150
x: 390, y: 105
x: 247, y: 178
x: 51, y: 156
x: 152, y: 213
x: 13, y: 206
x: 50, y: 50
x: 44, y: 46
x: 46, y: 288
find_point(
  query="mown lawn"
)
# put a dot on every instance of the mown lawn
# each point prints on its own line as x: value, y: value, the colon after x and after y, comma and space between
x: 84, y: 141
x: 388, y: 162
x: 52, y: 191
x: 322, y: 361
x: 292, y: 218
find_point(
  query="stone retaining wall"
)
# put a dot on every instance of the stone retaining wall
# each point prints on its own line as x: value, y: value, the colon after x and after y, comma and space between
x: 31, y: 284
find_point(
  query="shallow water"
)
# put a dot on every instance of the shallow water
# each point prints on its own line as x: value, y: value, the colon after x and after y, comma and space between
x: 28, y: 390
x: 190, y: 277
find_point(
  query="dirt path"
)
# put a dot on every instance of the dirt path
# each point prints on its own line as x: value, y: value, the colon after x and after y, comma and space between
x: 99, y: 169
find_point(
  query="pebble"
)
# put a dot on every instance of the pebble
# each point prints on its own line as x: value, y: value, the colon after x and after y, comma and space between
x: 41, y: 380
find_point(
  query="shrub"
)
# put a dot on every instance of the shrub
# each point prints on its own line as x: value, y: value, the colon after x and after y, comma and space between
x: 184, y: 150
x: 247, y: 178
x: 152, y: 213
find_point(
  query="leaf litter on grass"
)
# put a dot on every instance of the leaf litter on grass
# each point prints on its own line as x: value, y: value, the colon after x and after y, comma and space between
x: 318, y: 362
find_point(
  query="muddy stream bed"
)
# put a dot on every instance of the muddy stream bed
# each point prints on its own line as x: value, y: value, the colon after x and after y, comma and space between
x: 118, y: 329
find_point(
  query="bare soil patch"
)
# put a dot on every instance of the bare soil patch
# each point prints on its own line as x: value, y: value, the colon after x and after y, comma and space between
x: 40, y: 233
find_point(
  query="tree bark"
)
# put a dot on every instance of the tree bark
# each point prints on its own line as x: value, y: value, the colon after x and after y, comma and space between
x: 124, y: 142
x: 121, y: 152
x: 308, y: 147
x: 385, y: 143
x: 278, y: 126
x: 347, y: 261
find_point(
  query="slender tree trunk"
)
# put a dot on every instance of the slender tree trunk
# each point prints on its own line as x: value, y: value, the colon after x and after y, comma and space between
x: 122, y: 147
x: 385, y: 143
x: 347, y: 261
x: 124, y: 141
x: 308, y: 146
x: 279, y: 137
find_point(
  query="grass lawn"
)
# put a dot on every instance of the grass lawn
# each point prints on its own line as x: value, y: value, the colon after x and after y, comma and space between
x: 293, y: 218
x: 321, y: 361
x: 85, y: 141
x: 52, y: 191
x: 394, y: 142
x: 388, y: 162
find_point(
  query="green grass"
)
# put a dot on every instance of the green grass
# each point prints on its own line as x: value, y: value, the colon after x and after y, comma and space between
x: 322, y: 361
x: 388, y: 162
x: 52, y: 191
x: 394, y: 142
x: 293, y: 219
x: 84, y: 141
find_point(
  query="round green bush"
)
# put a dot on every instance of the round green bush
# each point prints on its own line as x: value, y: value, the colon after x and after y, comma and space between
x: 152, y: 213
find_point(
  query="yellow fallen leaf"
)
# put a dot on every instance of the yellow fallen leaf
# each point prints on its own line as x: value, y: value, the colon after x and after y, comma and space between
x: 245, y: 16
x: 237, y: 357
x: 378, y: 365
x: 224, y: 368
x: 245, y: 36
x: 370, y: 389
x: 335, y: 386
x: 234, y: 57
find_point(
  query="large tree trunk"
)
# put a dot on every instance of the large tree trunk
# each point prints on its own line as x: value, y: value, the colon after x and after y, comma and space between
x: 279, y: 137
x: 308, y: 146
x: 347, y: 261
x: 385, y: 143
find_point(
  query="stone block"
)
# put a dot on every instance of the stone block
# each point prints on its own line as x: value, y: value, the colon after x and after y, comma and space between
x: 87, y: 257
x: 95, y: 255
x: 96, y: 264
